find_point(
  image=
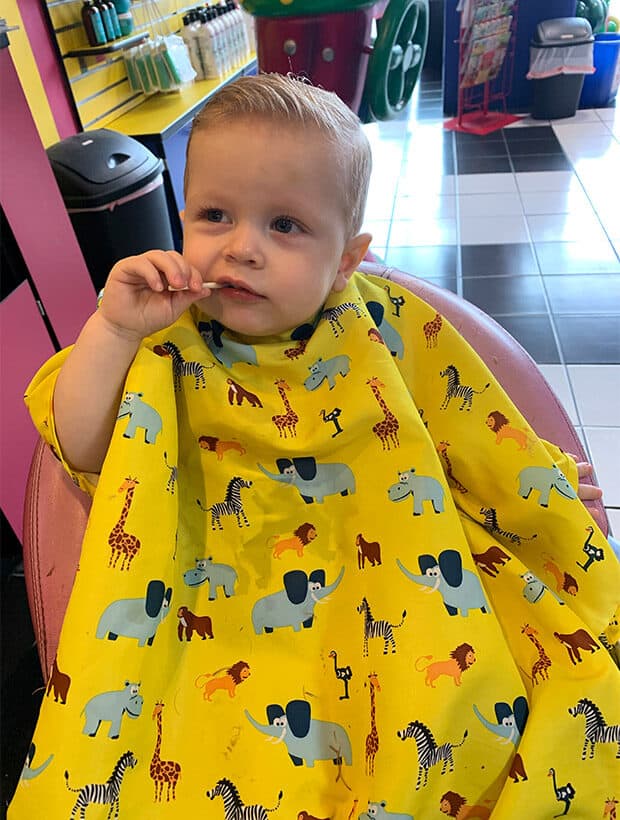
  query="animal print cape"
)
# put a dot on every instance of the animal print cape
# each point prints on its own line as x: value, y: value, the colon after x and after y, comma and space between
x: 332, y: 574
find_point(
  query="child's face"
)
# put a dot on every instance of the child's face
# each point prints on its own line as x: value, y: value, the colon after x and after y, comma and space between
x: 264, y: 212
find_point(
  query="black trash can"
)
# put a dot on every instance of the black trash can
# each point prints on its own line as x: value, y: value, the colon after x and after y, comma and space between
x: 112, y: 187
x: 561, y: 54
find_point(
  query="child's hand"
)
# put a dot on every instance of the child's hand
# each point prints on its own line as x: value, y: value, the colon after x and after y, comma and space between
x: 587, y: 492
x: 136, y: 300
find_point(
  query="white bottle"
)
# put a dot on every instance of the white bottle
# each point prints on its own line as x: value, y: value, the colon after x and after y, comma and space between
x: 240, y: 35
x: 222, y: 19
x: 189, y: 32
x: 207, y: 48
x: 250, y: 30
x: 217, y: 40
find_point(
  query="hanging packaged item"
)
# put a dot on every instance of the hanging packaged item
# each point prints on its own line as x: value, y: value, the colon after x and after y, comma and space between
x: 163, y: 62
x: 563, y: 45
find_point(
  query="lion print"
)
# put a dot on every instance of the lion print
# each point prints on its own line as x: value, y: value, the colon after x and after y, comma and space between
x: 498, y: 424
x: 228, y: 682
x: 461, y: 659
x: 296, y: 541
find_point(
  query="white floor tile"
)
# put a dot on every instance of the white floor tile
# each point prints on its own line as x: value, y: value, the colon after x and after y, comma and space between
x: 493, y: 230
x: 607, y: 114
x: 528, y: 122
x: 489, y: 205
x: 444, y: 185
x: 597, y: 392
x: 555, y: 202
x: 584, y: 131
x: 555, y: 374
x: 379, y: 229
x: 565, y: 227
x: 613, y: 516
x: 604, y: 443
x: 486, y: 184
x: 585, y: 115
x: 406, y: 232
x: 546, y: 181
x: 425, y: 205
x: 604, y: 147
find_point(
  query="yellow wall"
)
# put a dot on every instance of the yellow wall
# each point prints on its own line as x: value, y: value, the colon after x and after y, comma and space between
x: 28, y: 73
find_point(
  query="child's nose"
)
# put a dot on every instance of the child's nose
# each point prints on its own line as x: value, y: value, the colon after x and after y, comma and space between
x: 244, y: 245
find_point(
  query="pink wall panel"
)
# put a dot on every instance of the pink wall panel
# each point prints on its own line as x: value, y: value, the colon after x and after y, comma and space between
x: 24, y: 346
x: 37, y: 215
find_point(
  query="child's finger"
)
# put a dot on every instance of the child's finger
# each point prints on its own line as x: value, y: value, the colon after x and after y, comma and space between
x: 589, y: 492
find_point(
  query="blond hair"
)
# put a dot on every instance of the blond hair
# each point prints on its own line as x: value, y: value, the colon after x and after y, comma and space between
x: 295, y: 101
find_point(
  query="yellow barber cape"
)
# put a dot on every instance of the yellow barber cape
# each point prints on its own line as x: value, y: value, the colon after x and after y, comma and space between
x: 332, y: 574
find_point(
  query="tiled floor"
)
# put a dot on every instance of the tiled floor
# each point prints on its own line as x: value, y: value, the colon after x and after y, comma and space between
x: 525, y: 223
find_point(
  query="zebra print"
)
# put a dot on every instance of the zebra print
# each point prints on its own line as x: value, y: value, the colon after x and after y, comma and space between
x: 231, y: 505
x: 492, y: 526
x: 234, y: 807
x: 429, y: 753
x: 181, y: 367
x: 174, y: 475
x: 106, y: 793
x: 333, y: 314
x: 456, y: 390
x: 378, y: 629
x: 597, y: 730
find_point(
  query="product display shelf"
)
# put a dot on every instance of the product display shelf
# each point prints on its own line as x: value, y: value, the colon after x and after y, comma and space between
x: 107, y: 48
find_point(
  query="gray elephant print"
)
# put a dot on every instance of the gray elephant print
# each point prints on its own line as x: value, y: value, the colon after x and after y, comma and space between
x: 218, y: 575
x: 544, y: 479
x: 306, y: 739
x: 313, y: 481
x: 509, y: 726
x: 460, y: 589
x: 141, y: 416
x: 294, y: 605
x: 327, y: 369
x: 421, y: 487
x: 136, y: 617
x: 111, y: 706
x: 377, y: 811
x: 392, y: 338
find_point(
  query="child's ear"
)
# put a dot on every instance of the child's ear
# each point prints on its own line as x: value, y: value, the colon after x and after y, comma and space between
x: 353, y: 253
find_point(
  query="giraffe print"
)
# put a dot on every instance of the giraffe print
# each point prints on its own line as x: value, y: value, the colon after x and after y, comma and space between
x: 161, y: 771
x: 122, y: 542
x: 285, y: 422
x: 431, y: 330
x: 543, y: 662
x: 442, y: 449
x: 386, y: 429
x: 372, y: 738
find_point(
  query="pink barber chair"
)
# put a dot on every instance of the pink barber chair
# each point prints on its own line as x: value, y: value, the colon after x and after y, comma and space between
x: 56, y: 511
x: 332, y: 43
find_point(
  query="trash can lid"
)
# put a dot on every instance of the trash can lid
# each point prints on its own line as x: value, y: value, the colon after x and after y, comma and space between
x: 563, y: 31
x: 96, y: 167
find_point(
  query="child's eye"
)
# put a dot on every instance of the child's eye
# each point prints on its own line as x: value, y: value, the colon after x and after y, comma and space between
x: 284, y: 224
x: 214, y: 215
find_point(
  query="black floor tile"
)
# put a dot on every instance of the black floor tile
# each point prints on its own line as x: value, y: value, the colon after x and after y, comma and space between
x: 463, y: 138
x: 426, y: 261
x: 484, y: 165
x: 589, y: 293
x: 445, y: 282
x: 528, y: 147
x: 473, y: 150
x: 541, y: 162
x: 498, y: 260
x: 535, y: 334
x: 576, y: 257
x: 589, y: 339
x: 535, y: 132
x: 506, y: 294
